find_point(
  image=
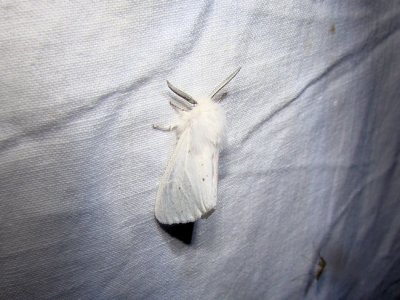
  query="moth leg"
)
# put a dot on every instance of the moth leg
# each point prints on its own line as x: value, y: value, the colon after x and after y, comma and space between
x: 164, y: 127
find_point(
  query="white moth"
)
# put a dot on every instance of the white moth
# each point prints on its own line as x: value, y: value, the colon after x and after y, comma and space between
x: 188, y: 189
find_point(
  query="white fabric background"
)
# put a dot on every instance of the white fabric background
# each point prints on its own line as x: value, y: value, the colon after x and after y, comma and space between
x: 311, y: 163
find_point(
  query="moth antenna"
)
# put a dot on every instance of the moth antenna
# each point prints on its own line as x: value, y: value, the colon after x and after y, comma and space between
x: 224, y: 83
x: 182, y: 94
x: 177, y: 106
x: 183, y: 103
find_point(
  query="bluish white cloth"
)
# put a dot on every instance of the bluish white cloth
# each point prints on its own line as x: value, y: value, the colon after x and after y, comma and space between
x: 311, y: 165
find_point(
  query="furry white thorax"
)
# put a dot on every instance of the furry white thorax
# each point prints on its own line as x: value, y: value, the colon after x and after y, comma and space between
x: 206, y: 121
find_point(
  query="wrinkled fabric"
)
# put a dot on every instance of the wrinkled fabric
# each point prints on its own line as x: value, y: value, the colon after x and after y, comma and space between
x: 310, y: 167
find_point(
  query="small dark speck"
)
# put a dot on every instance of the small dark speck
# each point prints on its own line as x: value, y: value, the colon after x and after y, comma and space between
x: 203, y: 179
x: 179, y: 187
x: 333, y: 28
